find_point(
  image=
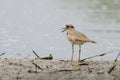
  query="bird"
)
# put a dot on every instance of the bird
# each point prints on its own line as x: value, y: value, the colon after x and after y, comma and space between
x: 76, y: 38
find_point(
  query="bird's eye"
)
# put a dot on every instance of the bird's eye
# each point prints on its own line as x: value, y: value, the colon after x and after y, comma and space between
x: 67, y: 26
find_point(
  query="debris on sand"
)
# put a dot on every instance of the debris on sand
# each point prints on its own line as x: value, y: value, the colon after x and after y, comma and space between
x: 40, y: 69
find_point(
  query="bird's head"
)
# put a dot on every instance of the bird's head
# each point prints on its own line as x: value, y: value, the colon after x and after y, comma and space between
x: 68, y: 27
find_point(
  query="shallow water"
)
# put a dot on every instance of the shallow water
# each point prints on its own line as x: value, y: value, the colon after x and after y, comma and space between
x: 35, y: 24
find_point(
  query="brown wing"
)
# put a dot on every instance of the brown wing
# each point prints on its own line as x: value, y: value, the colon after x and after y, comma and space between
x: 79, y: 36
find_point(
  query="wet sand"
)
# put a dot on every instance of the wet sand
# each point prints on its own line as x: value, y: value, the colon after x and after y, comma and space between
x: 37, y: 69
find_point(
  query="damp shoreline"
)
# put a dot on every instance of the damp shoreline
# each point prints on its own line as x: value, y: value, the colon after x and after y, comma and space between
x: 41, y: 69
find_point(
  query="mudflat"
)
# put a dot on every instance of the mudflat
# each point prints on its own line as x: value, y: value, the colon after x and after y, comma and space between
x: 40, y: 69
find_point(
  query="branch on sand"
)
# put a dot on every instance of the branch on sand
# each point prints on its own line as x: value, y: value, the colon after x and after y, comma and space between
x: 2, y: 54
x: 96, y: 56
x: 36, y: 54
x: 50, y: 57
x: 113, y: 67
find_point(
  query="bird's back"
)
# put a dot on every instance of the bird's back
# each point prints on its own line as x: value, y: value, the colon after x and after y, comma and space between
x: 77, y: 37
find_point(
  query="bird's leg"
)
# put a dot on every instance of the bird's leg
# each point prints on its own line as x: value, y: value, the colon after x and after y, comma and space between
x: 72, y: 52
x: 79, y: 53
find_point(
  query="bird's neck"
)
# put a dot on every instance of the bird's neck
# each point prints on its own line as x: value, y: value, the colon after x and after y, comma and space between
x: 69, y: 31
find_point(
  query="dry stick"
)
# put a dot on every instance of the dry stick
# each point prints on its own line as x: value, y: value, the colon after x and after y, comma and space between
x: 95, y: 56
x: 113, y: 67
x: 37, y: 66
x: 36, y: 54
x: 50, y: 57
x: 2, y: 54
x: 69, y: 70
x: 117, y: 57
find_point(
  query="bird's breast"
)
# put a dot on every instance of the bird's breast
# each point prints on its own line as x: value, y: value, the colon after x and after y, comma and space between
x: 74, y: 41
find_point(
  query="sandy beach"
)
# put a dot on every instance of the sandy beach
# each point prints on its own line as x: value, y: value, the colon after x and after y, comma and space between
x: 39, y: 69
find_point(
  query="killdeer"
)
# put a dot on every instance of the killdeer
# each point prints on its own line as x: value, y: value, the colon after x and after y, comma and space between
x: 76, y: 38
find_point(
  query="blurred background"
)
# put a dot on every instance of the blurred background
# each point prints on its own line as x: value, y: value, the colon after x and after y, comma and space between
x: 36, y: 24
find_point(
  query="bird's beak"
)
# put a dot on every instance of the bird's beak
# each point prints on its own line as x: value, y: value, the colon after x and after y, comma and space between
x: 63, y: 29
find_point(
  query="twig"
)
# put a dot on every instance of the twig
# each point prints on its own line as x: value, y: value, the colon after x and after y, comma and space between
x: 37, y: 66
x: 84, y: 63
x: 117, y: 57
x: 32, y: 71
x: 95, y: 56
x: 50, y: 57
x: 2, y: 54
x: 36, y: 54
x: 113, y: 67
